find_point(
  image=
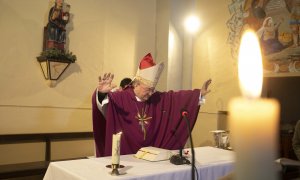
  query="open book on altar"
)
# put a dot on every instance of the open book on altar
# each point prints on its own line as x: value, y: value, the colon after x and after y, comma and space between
x: 153, y: 154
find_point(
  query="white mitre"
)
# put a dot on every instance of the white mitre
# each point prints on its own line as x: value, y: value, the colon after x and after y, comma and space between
x: 149, y: 72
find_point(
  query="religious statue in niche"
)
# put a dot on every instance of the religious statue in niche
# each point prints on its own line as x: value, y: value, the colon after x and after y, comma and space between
x: 55, y: 54
x: 277, y: 23
x: 58, y: 18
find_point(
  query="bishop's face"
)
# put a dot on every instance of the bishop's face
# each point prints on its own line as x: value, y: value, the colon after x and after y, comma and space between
x: 142, y: 91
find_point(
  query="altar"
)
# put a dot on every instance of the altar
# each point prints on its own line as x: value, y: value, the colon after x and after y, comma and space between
x: 211, y: 163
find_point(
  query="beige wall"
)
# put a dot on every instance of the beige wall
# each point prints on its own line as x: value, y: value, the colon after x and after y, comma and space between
x: 106, y: 36
x: 212, y: 59
x: 103, y: 37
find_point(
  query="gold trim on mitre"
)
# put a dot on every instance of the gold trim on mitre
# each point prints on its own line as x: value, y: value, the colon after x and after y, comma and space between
x: 150, y: 76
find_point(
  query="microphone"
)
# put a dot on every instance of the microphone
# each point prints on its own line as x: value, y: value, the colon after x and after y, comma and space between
x: 184, y: 115
x: 178, y: 159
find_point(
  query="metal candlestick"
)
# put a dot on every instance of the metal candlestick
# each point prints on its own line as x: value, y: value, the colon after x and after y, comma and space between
x: 115, y: 171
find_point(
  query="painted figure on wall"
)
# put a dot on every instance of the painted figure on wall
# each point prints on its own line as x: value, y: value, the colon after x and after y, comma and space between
x: 294, y: 8
x: 277, y: 23
x: 254, y: 13
x: 58, y: 18
x: 268, y: 36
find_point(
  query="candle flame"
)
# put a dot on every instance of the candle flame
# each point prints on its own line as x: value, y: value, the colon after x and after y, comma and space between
x: 250, y: 65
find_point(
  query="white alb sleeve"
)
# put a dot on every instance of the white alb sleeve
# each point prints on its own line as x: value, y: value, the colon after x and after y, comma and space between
x: 102, y: 106
x: 201, y: 100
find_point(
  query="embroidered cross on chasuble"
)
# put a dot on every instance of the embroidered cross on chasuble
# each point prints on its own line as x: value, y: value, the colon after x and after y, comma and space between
x: 143, y: 120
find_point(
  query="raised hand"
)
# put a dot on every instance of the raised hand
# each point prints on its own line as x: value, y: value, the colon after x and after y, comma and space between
x: 105, y: 84
x: 204, y: 89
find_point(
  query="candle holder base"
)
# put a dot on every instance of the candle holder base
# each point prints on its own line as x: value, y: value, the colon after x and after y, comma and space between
x: 115, y: 171
x: 119, y: 166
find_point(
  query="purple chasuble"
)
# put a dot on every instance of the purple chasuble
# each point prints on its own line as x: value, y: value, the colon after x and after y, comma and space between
x: 163, y: 125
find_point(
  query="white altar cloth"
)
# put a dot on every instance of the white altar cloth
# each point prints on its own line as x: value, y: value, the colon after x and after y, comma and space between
x: 212, y: 163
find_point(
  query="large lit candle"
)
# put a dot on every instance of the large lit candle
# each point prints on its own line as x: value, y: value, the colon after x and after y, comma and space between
x: 253, y: 120
x: 116, y: 148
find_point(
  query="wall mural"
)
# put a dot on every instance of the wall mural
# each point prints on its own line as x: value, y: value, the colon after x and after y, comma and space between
x: 277, y: 23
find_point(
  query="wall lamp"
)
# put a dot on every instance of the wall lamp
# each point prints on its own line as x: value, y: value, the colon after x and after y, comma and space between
x: 54, y: 62
x: 192, y: 24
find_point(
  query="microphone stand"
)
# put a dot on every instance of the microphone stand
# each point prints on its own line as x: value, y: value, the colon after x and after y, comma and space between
x: 184, y: 115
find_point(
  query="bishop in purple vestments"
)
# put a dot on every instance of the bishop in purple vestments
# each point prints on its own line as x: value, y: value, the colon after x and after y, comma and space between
x: 144, y: 116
